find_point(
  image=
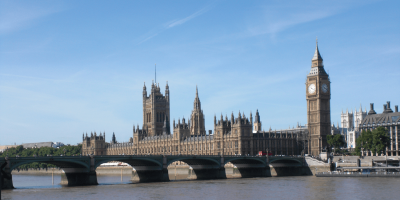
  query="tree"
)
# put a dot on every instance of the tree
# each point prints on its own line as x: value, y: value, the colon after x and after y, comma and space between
x: 375, y: 141
x: 42, y: 151
x: 364, y: 141
x: 380, y: 140
x: 335, y: 141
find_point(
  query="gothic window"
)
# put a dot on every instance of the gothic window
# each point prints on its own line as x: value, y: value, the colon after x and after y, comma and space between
x: 218, y: 145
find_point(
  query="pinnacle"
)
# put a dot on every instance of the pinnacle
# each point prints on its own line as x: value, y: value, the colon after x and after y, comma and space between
x: 317, y: 55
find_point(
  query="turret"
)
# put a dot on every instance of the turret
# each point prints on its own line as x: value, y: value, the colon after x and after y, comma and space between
x: 197, y: 104
x: 166, y: 129
x: 144, y: 90
x: 167, y: 92
x: 113, y: 140
x: 257, y: 117
x: 251, y: 118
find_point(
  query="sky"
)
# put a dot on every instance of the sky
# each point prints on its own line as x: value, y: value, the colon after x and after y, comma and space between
x: 73, y: 67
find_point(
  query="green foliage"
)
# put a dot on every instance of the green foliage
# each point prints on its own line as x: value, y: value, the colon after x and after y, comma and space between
x: 336, y: 141
x: 375, y: 141
x: 380, y: 140
x: 42, y: 151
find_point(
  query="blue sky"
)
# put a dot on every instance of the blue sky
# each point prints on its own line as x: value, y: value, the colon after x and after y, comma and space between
x: 68, y: 67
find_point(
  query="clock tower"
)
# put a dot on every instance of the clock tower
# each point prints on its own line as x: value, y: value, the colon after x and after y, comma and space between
x: 318, y: 95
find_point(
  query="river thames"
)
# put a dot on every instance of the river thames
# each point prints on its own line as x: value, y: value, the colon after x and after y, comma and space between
x: 294, y: 187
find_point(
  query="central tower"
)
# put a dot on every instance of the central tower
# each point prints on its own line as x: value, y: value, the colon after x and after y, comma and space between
x: 197, y: 118
x: 155, y: 110
x: 318, y: 95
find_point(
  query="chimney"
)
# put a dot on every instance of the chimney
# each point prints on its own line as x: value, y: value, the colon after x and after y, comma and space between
x: 371, y: 109
x: 388, y: 109
x: 396, y: 108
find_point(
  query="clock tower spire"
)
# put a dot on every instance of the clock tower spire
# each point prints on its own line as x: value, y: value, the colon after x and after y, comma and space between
x: 318, y: 95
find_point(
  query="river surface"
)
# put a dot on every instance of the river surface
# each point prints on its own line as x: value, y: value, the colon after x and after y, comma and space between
x: 294, y: 187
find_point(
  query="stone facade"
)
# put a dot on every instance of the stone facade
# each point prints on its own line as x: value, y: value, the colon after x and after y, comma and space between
x: 347, y: 119
x: 156, y: 110
x: 94, y: 144
x: 232, y: 136
x: 318, y: 95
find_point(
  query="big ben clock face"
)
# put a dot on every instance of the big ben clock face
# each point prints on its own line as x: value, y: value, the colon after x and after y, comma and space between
x: 324, y: 88
x: 311, y: 89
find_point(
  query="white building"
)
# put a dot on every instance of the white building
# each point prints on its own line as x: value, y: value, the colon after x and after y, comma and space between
x: 350, y: 126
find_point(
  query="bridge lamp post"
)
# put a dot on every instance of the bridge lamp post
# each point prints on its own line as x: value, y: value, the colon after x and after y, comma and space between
x: 64, y: 151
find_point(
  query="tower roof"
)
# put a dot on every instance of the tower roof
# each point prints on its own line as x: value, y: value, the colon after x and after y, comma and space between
x: 197, y: 104
x: 317, y: 55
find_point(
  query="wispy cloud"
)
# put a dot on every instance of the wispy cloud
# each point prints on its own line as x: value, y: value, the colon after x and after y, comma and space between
x: 275, y: 24
x: 184, y: 20
x: 278, y: 18
x: 174, y: 23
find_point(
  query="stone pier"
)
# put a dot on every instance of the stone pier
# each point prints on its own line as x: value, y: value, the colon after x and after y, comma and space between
x: 5, y: 176
x: 78, y: 177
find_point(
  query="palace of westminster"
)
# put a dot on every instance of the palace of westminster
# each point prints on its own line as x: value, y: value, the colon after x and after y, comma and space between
x: 241, y: 135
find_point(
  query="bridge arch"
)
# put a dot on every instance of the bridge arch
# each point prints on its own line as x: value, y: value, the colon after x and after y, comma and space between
x: 202, y: 167
x: 146, y: 168
x: 77, y: 169
x: 133, y: 161
x: 286, y: 166
x: 194, y: 160
x: 286, y: 161
x: 62, y: 162
x: 246, y: 160
x: 246, y: 167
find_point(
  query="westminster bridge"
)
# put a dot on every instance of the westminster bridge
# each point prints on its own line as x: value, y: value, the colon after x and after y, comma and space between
x: 80, y: 170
